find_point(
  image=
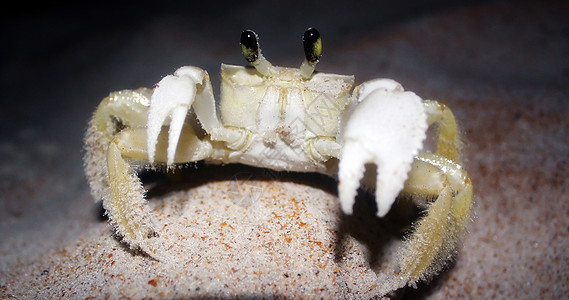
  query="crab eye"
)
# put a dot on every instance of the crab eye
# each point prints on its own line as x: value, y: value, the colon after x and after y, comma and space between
x: 250, y: 45
x: 312, y: 45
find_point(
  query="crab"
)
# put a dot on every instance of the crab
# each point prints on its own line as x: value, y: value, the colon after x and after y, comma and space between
x: 286, y: 119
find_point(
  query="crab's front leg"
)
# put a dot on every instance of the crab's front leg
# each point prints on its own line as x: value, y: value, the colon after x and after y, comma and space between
x: 386, y: 128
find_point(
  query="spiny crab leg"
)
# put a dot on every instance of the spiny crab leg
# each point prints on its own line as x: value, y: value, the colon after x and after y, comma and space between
x: 169, y: 104
x: 387, y: 129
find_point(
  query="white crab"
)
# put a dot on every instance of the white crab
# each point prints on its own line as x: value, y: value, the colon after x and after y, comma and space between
x: 286, y: 119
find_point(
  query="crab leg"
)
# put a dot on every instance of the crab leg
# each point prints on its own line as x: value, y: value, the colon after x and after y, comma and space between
x: 131, y: 144
x: 116, y: 133
x: 448, y: 139
x: 440, y: 177
x: 437, y: 234
x: 126, y: 205
x: 129, y: 108
x: 110, y: 177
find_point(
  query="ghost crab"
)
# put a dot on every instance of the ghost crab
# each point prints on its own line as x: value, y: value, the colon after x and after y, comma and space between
x: 309, y: 120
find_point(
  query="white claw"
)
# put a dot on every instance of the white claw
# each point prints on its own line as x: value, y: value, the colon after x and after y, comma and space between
x: 176, y: 124
x: 387, y: 128
x: 169, y: 104
x: 352, y: 167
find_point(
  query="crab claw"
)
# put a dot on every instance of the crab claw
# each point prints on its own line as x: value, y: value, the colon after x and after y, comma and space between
x: 169, y: 104
x: 386, y: 128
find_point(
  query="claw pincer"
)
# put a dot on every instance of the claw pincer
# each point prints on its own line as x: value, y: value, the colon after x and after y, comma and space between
x: 169, y: 104
x: 387, y: 129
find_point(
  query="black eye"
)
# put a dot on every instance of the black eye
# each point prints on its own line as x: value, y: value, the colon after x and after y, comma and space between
x: 312, y: 45
x: 250, y: 45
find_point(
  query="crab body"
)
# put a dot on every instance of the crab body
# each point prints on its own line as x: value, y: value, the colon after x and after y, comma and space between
x: 285, y: 119
x: 284, y: 115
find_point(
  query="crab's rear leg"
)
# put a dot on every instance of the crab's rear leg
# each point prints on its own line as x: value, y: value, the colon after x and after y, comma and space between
x: 438, y: 177
x: 119, y: 109
x: 125, y: 204
x: 448, y: 140
x: 109, y: 176
x: 116, y: 135
x: 437, y: 234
